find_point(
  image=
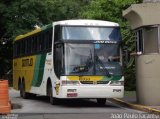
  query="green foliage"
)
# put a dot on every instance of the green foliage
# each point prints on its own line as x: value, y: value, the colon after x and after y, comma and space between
x: 111, y: 10
x: 20, y: 16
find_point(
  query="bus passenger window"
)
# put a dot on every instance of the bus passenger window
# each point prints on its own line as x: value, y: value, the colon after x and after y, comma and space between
x: 32, y: 45
x: 37, y: 44
x: 15, y: 50
x: 58, y: 60
x: 46, y: 41
x: 50, y: 40
x: 43, y: 46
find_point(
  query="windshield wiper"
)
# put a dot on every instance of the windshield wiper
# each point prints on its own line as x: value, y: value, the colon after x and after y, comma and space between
x: 103, y: 66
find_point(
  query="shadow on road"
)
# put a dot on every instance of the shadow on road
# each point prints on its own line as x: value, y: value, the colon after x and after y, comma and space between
x: 73, y: 102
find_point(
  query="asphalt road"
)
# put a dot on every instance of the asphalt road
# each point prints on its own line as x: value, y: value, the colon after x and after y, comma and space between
x: 40, y: 108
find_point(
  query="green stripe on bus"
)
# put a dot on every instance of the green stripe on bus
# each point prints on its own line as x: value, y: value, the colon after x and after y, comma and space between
x: 46, y: 27
x: 39, y: 70
x: 35, y: 75
x: 111, y: 78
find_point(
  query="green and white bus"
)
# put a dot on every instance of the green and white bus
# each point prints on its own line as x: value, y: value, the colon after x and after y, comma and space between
x: 70, y: 59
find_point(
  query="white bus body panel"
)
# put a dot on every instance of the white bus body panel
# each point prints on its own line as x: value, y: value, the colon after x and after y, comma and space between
x: 93, y: 91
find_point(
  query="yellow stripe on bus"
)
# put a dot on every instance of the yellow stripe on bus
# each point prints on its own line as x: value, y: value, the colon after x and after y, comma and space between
x: 28, y: 34
x: 85, y: 78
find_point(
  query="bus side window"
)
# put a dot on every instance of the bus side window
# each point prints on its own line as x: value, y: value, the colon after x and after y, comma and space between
x: 47, y: 40
x: 58, y: 60
x: 50, y: 39
x: 36, y: 44
x: 57, y: 33
x: 20, y: 47
x: 28, y: 46
x: 32, y: 45
x: 15, y: 50
x: 41, y: 42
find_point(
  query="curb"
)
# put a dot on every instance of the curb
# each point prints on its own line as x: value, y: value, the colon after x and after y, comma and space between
x: 136, y: 106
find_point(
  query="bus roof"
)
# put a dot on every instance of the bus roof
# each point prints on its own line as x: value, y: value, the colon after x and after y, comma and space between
x: 33, y: 32
x: 82, y: 22
x: 79, y: 22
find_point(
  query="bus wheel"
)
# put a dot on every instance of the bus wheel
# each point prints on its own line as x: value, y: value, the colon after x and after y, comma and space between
x: 101, y: 101
x: 23, y: 94
x: 52, y: 100
x: 20, y: 89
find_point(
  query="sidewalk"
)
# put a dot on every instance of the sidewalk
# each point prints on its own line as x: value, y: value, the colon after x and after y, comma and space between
x: 131, y: 101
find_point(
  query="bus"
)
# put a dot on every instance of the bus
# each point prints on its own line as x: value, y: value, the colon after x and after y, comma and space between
x: 70, y: 59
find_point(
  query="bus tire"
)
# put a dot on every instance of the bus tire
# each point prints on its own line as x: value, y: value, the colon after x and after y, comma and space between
x: 52, y: 100
x: 101, y: 101
x: 23, y: 94
x: 19, y: 87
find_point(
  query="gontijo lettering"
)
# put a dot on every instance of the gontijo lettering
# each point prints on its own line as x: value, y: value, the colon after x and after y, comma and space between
x: 27, y: 62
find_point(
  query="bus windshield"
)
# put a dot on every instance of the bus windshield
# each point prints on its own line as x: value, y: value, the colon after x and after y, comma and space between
x: 90, y: 33
x: 92, y: 59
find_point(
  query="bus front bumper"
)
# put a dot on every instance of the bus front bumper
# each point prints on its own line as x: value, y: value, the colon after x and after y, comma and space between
x: 95, y: 91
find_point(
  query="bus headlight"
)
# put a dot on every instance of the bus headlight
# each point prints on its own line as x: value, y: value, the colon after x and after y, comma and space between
x: 67, y: 82
x: 117, y: 83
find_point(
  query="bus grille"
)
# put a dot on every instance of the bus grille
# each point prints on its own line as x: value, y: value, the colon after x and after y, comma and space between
x: 94, y: 82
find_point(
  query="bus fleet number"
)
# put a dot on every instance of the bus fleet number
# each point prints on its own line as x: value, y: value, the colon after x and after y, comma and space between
x: 84, y: 79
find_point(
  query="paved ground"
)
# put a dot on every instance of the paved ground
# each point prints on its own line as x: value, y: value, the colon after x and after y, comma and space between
x: 40, y: 108
x: 40, y: 104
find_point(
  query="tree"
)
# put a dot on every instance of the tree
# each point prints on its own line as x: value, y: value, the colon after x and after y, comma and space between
x: 20, y: 16
x: 111, y: 10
